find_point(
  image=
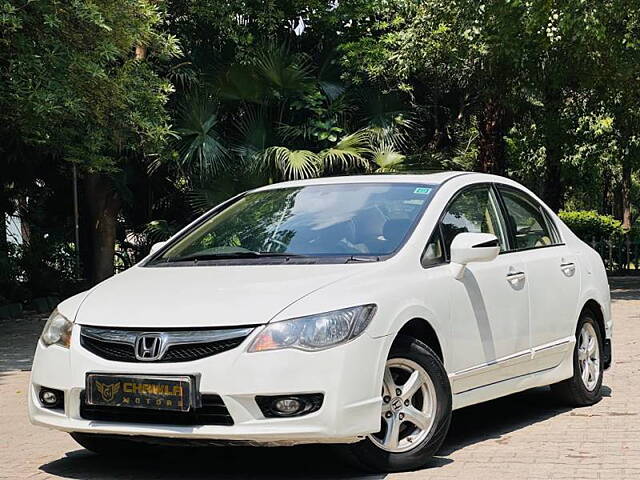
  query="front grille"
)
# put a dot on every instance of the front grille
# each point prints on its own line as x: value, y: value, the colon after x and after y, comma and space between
x: 177, y: 345
x: 184, y: 353
x: 212, y: 412
x: 119, y: 352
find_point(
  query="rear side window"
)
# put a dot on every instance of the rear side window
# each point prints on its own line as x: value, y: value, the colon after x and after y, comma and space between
x: 473, y: 210
x: 531, y: 226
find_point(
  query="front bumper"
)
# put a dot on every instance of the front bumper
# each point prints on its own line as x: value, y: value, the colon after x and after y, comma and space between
x: 349, y: 376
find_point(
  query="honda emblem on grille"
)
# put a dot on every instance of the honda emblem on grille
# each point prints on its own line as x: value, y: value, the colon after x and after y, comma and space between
x: 149, y: 346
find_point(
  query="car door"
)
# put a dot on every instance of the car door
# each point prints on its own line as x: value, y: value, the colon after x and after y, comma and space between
x: 489, y: 304
x: 552, y: 274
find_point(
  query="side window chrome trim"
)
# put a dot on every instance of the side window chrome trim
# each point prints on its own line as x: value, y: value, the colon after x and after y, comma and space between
x: 534, y: 248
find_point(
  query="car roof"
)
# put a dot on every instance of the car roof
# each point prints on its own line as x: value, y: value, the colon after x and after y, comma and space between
x: 423, y: 178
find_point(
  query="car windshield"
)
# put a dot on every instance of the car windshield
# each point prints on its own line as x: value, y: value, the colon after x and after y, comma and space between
x: 352, y: 220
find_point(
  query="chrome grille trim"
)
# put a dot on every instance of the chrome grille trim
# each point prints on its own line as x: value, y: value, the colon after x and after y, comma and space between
x: 178, y: 337
x: 177, y: 345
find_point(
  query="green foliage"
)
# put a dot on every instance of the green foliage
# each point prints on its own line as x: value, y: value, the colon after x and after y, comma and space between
x: 589, y: 225
x: 263, y: 91
x: 294, y: 164
x: 72, y: 84
x: 199, y: 146
x: 386, y: 159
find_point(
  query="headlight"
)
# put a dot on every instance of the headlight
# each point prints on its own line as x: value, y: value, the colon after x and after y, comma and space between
x: 315, y: 332
x: 57, y: 331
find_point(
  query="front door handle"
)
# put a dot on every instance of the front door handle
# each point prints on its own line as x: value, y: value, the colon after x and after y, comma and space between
x: 568, y: 268
x: 515, y: 277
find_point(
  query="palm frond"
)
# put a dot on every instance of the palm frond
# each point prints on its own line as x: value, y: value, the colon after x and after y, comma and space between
x: 329, y: 75
x: 386, y: 159
x: 254, y: 135
x: 183, y: 74
x: 294, y: 164
x: 388, y: 117
x: 283, y: 69
x: 199, y: 146
x: 348, y: 152
x: 243, y: 83
x: 159, y: 230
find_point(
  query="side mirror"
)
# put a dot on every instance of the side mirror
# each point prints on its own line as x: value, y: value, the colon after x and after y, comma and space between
x: 472, y: 247
x: 156, y: 246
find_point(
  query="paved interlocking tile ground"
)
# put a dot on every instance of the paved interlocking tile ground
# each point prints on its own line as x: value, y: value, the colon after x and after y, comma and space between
x: 528, y: 435
x: 19, y: 341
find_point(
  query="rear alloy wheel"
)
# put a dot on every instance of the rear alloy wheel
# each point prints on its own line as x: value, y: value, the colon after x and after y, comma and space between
x: 415, y: 413
x: 589, y: 356
x: 585, y: 386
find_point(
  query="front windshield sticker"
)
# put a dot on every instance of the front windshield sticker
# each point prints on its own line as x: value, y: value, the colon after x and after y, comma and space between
x: 422, y: 190
x: 415, y: 201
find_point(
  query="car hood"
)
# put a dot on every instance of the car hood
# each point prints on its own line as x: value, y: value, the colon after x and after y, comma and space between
x: 203, y: 296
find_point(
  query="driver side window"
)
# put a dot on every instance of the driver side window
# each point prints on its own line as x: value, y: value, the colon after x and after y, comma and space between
x: 473, y: 210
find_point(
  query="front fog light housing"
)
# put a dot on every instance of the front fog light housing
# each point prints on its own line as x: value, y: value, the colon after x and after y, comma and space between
x: 57, y: 331
x: 289, y: 405
x: 315, y: 332
x: 51, y: 398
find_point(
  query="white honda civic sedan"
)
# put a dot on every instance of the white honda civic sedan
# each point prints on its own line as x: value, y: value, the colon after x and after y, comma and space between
x: 357, y: 311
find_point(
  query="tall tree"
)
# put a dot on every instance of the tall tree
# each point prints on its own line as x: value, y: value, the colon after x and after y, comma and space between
x: 73, y: 85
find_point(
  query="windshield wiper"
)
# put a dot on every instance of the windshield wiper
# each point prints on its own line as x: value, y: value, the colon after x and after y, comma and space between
x: 230, y: 255
x: 359, y: 259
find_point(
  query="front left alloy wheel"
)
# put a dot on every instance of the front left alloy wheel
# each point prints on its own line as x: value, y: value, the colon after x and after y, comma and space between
x: 415, y: 413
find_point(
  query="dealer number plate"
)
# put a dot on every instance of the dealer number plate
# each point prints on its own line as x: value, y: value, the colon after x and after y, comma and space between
x: 137, y: 391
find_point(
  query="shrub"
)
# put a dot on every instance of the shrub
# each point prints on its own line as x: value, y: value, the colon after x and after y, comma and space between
x: 589, y: 224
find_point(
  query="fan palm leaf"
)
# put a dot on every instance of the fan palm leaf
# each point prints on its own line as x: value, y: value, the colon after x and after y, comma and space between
x: 388, y: 118
x: 199, y: 146
x: 295, y: 164
x: 386, y: 159
x: 348, y: 152
x: 283, y: 69
x: 253, y: 135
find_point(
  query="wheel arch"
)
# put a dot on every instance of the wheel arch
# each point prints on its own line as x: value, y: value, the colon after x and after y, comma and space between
x: 421, y: 329
x: 595, y: 308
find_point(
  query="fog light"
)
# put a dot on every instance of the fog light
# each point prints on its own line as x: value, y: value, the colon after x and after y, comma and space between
x: 50, y: 398
x: 289, y: 405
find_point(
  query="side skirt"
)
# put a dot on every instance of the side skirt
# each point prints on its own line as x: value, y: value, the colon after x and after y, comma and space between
x: 544, y: 365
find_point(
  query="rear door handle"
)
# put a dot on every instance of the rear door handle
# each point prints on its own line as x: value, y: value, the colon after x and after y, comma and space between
x: 568, y: 268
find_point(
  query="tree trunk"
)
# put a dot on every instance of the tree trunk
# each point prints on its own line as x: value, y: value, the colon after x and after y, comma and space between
x: 492, y: 128
x: 553, y: 193
x: 141, y: 52
x: 4, y: 247
x: 626, y: 194
x: 23, y: 214
x: 103, y: 206
x: 553, y: 189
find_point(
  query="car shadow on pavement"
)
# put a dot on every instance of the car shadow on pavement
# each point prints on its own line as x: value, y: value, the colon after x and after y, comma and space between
x: 308, y: 461
x: 496, y: 419
x: 490, y: 421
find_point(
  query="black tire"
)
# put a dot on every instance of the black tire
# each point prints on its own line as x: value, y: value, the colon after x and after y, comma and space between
x: 573, y: 391
x: 365, y: 455
x: 111, y: 445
